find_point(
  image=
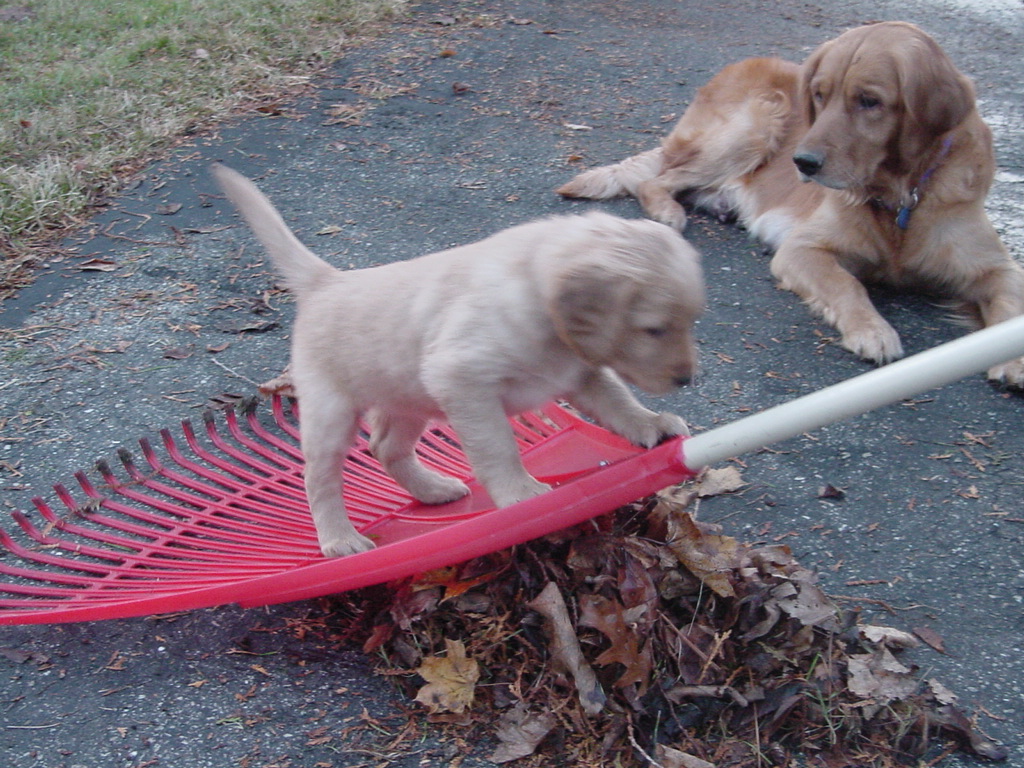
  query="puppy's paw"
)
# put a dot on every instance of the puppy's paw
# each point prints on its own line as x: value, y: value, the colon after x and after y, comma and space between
x: 658, y: 427
x: 1009, y: 374
x: 346, y: 545
x: 876, y: 341
x: 671, y: 425
x: 508, y: 494
x: 439, y: 489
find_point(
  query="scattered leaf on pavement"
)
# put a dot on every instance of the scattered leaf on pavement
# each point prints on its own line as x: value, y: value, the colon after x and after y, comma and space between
x: 451, y: 680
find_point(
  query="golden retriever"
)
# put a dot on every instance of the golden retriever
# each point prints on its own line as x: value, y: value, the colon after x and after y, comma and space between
x: 557, y: 308
x: 887, y: 126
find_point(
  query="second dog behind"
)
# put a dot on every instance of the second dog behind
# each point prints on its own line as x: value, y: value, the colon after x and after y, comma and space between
x: 889, y: 130
x: 558, y: 308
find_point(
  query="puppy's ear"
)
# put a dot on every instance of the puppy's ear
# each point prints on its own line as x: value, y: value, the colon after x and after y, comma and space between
x: 589, y: 311
x: 936, y: 96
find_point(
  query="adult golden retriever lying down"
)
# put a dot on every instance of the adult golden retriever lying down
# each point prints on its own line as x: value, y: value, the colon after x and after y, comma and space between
x: 558, y: 308
x: 888, y: 128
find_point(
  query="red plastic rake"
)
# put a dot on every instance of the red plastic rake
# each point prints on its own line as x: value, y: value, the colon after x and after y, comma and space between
x: 220, y: 517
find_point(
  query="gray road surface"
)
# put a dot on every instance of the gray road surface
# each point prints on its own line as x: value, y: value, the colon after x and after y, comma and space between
x: 399, y: 151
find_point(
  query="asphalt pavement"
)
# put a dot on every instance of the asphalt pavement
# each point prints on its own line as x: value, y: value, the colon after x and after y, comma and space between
x: 459, y: 122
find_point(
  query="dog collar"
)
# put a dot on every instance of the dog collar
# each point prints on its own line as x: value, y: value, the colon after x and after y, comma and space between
x: 903, y: 214
x: 907, y: 208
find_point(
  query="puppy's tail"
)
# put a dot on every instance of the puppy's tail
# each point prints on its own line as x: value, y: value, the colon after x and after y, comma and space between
x: 301, y: 269
x: 613, y: 180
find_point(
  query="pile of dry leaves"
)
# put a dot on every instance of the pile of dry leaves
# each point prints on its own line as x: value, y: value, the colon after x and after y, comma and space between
x: 650, y: 639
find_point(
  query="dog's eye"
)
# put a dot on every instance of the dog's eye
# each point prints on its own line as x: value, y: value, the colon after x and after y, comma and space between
x: 868, y: 102
x: 655, y: 332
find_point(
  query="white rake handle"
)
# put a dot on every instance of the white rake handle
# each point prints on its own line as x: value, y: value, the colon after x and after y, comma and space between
x: 940, y: 365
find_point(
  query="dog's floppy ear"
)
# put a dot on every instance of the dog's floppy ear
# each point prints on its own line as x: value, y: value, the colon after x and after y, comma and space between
x: 807, y: 72
x: 936, y: 96
x: 589, y: 309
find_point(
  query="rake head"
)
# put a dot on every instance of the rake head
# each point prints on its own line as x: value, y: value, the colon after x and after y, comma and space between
x: 219, y: 515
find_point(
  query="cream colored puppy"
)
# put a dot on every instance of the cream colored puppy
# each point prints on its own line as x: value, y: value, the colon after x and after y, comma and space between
x: 558, y: 308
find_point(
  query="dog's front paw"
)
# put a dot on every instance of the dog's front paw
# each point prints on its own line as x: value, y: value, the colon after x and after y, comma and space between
x: 508, y: 494
x: 657, y: 428
x: 660, y: 204
x: 351, y: 544
x: 876, y: 341
x: 668, y: 212
x: 1009, y: 374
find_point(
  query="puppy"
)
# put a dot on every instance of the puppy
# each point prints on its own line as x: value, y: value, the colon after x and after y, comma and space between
x: 887, y: 127
x: 559, y: 308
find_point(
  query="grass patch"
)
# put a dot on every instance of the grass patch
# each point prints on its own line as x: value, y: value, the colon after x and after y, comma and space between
x: 91, y: 88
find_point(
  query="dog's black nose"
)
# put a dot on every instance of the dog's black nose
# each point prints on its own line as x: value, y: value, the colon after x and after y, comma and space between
x: 808, y: 163
x: 682, y: 381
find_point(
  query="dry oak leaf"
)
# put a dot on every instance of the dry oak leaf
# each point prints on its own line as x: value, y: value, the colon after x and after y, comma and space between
x: 879, y: 677
x: 98, y: 265
x: 451, y: 680
x: 931, y: 637
x: 565, y: 647
x: 941, y: 693
x: 179, y: 353
x: 807, y: 604
x: 520, y: 731
x: 450, y: 578
x: 636, y: 586
x: 708, y: 556
x: 715, y: 482
x: 607, y: 617
x: 280, y: 385
x: 673, y: 758
x: 888, y: 636
x: 952, y: 719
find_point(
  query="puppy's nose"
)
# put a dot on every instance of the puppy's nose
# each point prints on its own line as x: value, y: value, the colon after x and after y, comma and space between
x: 682, y: 381
x: 808, y: 163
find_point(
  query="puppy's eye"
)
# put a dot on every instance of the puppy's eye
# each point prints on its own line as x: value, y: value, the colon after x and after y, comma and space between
x: 655, y: 332
x: 868, y: 102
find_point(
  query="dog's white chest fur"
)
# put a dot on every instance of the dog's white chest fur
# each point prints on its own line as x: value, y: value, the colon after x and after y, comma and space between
x: 528, y: 390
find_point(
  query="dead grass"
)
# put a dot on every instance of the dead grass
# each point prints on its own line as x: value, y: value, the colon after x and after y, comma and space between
x: 94, y: 88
